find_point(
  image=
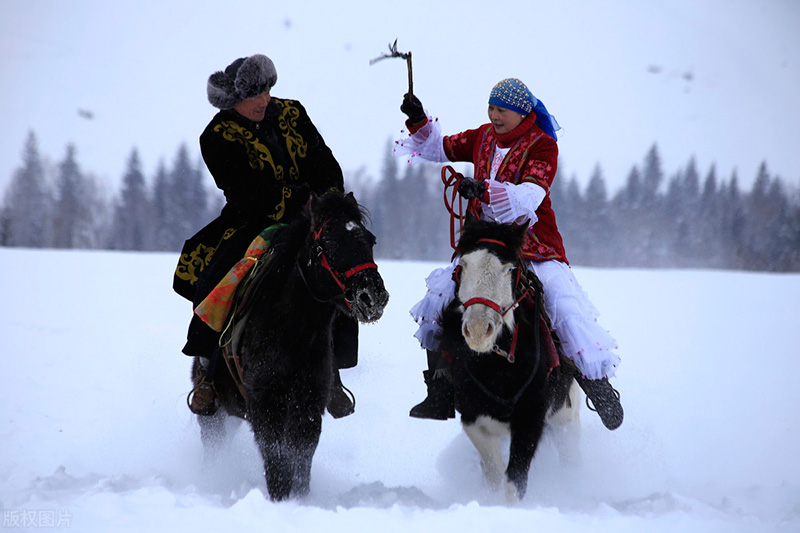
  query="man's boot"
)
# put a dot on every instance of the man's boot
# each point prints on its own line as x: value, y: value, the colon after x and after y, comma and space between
x: 605, y: 400
x: 440, y: 403
x: 202, y: 400
x: 340, y: 403
x: 345, y: 355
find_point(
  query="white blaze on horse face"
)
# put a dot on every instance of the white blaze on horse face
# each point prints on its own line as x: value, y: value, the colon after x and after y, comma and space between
x: 484, y: 276
x: 350, y: 226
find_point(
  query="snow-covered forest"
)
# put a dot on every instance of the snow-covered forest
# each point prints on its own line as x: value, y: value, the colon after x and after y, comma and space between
x: 686, y: 217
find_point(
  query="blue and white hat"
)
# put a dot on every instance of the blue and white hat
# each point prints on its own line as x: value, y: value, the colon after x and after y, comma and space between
x: 514, y: 95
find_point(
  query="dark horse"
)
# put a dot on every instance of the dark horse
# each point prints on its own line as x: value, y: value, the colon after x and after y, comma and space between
x: 319, y: 266
x: 497, y: 334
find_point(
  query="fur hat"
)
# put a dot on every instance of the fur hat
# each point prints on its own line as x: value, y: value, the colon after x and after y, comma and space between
x: 247, y: 77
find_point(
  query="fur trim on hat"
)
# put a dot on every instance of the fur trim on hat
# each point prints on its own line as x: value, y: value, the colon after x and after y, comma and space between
x: 255, y: 75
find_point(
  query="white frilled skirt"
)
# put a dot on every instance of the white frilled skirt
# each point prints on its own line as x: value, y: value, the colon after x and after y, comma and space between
x: 572, y: 314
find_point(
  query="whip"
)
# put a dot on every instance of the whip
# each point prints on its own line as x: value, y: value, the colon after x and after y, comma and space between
x: 403, y: 55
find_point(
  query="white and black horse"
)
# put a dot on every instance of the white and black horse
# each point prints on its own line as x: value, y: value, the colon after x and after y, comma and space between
x: 319, y: 267
x: 497, y: 337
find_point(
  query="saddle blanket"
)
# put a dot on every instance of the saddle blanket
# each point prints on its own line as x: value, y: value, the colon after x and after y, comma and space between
x: 216, y: 307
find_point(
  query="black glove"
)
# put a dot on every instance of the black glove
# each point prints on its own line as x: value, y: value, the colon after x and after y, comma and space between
x: 413, y: 109
x: 469, y: 188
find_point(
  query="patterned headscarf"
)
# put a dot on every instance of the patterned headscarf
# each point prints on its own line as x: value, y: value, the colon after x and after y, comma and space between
x: 514, y: 95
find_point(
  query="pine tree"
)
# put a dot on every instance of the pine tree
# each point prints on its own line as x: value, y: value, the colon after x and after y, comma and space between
x: 710, y: 222
x: 184, y: 202
x: 758, y: 213
x: 27, y: 201
x: 598, y: 226
x: 133, y: 227
x: 71, y: 217
x: 652, y: 176
x: 164, y: 240
x: 388, y: 212
x: 694, y: 247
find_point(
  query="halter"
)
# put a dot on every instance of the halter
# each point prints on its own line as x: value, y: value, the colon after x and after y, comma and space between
x: 339, y: 277
x: 527, y: 290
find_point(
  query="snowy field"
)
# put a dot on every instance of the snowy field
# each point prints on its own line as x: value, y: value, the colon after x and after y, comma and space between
x: 96, y: 435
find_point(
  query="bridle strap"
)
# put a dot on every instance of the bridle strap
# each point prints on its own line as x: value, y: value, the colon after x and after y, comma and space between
x: 337, y: 276
x: 485, y: 301
x: 494, y: 241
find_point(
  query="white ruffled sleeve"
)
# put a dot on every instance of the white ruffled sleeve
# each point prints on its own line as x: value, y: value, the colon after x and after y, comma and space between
x: 425, y: 145
x: 510, y: 203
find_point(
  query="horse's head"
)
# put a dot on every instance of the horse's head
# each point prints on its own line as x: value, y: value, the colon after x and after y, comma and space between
x: 487, y: 273
x: 341, y: 254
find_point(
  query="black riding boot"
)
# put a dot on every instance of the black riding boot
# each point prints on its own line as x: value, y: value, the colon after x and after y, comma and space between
x: 605, y: 400
x: 440, y: 403
x: 341, y: 403
x: 202, y: 400
x: 345, y: 354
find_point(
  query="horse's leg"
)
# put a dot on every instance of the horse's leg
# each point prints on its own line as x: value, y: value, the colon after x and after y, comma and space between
x: 526, y: 431
x: 268, y: 419
x: 565, y: 426
x: 212, y: 427
x: 212, y: 432
x: 304, y: 439
x: 485, y: 434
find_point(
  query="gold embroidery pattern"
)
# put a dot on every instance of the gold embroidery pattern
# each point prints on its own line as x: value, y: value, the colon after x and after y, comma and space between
x: 295, y: 144
x: 257, y: 153
x: 280, y: 209
x: 190, y: 265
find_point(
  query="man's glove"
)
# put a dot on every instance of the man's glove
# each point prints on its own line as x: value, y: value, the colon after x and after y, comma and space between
x: 470, y: 188
x: 413, y: 109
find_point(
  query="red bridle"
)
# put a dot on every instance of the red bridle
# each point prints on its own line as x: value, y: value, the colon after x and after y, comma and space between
x: 339, y: 277
x: 489, y: 303
x: 496, y: 307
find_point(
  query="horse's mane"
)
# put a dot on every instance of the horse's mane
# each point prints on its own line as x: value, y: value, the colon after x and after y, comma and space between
x: 289, y: 240
x: 512, y: 235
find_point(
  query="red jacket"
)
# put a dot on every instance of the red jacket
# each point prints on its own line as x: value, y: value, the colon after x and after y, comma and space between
x: 533, y: 157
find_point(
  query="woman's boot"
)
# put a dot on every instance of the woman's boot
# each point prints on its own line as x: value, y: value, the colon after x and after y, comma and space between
x: 440, y: 403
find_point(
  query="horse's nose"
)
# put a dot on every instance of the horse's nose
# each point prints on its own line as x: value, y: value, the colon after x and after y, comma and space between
x: 366, y: 299
x: 489, y: 331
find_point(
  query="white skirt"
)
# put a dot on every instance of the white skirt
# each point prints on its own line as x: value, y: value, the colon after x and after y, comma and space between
x: 573, y: 316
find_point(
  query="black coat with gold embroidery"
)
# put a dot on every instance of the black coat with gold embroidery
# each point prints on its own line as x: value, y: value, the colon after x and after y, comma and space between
x: 256, y: 164
x: 266, y: 170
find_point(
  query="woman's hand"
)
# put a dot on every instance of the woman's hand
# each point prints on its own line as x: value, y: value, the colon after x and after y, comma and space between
x: 413, y: 109
x: 470, y: 188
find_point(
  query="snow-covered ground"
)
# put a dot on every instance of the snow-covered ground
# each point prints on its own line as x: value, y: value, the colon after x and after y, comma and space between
x: 96, y: 435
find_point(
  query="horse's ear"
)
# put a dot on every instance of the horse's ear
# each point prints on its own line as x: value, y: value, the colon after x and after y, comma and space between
x: 350, y: 198
x: 519, y: 231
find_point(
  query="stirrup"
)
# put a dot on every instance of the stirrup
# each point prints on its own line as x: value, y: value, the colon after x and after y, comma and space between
x: 208, y: 410
x: 592, y: 407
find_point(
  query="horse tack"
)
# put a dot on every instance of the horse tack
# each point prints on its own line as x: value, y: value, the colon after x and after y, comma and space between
x: 512, y: 401
x: 527, y: 293
x: 339, y: 277
x: 234, y: 365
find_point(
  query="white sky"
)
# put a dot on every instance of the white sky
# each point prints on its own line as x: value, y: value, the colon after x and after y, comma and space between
x: 614, y: 73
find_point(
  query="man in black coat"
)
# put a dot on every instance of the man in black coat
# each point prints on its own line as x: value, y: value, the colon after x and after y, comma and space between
x: 266, y: 155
